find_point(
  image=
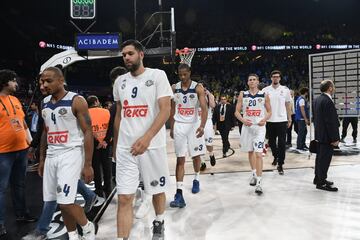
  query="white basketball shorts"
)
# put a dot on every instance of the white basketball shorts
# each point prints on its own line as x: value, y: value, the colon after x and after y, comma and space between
x: 152, y: 166
x: 185, y: 140
x: 61, y: 175
x: 252, y: 138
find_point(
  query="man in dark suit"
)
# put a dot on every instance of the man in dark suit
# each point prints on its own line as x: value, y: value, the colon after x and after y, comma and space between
x: 326, y: 124
x: 224, y: 119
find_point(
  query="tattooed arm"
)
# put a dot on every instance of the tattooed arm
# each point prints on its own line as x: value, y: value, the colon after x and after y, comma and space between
x: 80, y: 109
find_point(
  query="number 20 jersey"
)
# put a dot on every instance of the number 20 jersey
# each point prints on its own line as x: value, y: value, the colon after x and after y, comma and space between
x: 253, y: 106
x: 63, y: 129
x: 139, y: 96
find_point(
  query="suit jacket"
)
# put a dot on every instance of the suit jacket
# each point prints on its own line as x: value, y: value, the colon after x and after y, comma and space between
x: 229, y: 121
x: 326, y: 121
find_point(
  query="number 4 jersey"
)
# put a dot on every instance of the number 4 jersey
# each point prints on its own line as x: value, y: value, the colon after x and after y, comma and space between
x: 63, y: 130
x: 139, y: 97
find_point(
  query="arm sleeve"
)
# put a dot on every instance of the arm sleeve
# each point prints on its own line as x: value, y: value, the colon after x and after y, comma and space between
x: 163, y: 88
x: 331, y: 122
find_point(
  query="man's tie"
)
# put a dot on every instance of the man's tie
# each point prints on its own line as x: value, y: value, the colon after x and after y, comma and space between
x: 222, y: 111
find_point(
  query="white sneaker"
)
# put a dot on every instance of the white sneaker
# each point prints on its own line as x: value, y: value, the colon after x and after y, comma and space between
x: 252, y: 181
x: 89, y: 234
x: 143, y: 209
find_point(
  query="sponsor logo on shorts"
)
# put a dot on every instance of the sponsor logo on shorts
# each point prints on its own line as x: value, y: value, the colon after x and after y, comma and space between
x: 58, y: 137
x: 58, y: 189
x: 210, y: 140
x: 149, y: 83
x: 185, y: 111
x: 135, y: 111
x: 154, y: 183
x: 196, y: 148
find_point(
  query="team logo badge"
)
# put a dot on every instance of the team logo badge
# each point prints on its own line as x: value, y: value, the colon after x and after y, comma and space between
x: 62, y: 111
x: 149, y: 83
x: 154, y: 183
x: 123, y: 86
x: 259, y: 100
x: 192, y: 96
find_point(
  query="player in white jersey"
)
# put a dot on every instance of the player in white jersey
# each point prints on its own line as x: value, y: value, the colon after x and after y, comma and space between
x: 255, y: 106
x: 67, y: 145
x: 143, y: 98
x: 186, y: 131
x: 209, y: 128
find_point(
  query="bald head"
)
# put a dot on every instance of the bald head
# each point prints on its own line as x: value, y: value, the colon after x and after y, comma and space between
x: 326, y: 86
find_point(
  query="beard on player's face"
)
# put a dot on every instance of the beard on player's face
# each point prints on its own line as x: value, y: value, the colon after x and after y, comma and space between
x: 133, y: 67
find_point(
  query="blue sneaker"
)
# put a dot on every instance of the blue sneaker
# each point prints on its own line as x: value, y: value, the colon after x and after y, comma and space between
x: 196, y: 186
x: 178, y: 201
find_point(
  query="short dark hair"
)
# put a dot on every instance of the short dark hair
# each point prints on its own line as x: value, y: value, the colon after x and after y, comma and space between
x: 304, y: 90
x: 275, y: 72
x: 184, y: 66
x: 137, y: 45
x: 117, y: 71
x: 325, y: 85
x: 91, y: 100
x: 55, y: 70
x: 253, y: 75
x: 6, y: 76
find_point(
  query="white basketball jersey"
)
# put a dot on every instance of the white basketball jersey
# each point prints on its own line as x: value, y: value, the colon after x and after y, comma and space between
x: 63, y: 129
x: 253, y: 106
x: 139, y: 100
x: 186, y: 103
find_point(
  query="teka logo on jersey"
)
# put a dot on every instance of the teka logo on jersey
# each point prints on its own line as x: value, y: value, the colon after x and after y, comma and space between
x: 58, y: 137
x: 185, y: 111
x: 253, y: 113
x: 135, y: 111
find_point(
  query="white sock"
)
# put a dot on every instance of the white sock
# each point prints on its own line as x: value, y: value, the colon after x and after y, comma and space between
x: 197, y: 176
x: 253, y: 172
x: 73, y: 235
x: 258, y: 180
x: 160, y: 217
x: 87, y: 227
x: 122, y: 238
x: 180, y: 185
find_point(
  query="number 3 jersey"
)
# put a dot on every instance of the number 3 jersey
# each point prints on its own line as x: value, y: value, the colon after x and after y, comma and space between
x: 253, y: 106
x: 186, y: 103
x: 139, y: 97
x: 63, y: 129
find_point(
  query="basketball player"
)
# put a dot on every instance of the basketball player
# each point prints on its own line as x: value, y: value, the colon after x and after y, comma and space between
x: 255, y: 106
x: 188, y: 135
x: 209, y: 129
x: 143, y: 104
x: 66, y: 147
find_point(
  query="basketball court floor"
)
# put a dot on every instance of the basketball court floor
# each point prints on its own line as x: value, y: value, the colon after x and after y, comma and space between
x: 227, y: 208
